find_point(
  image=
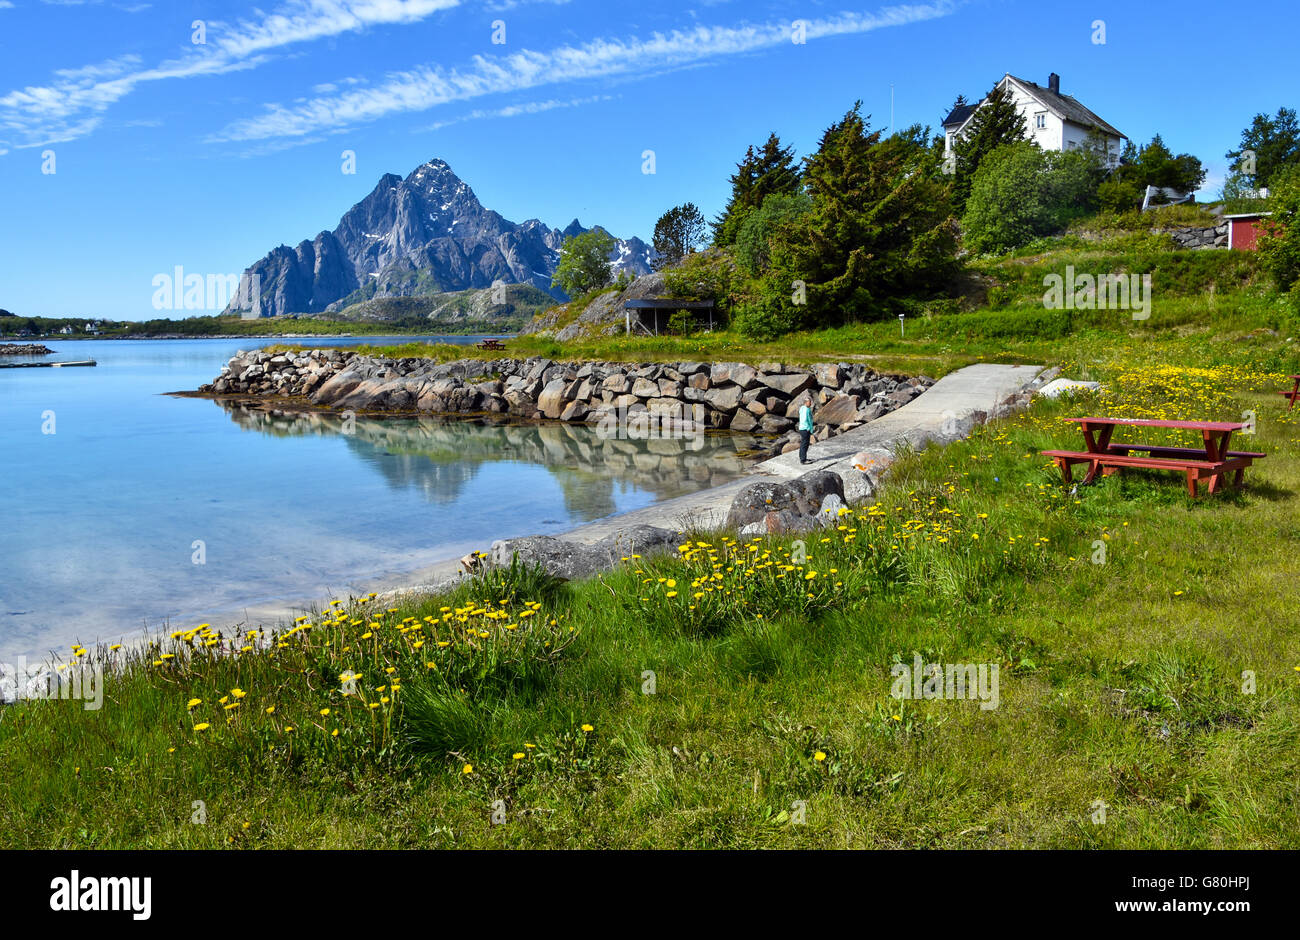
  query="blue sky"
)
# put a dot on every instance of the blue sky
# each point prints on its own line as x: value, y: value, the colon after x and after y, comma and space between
x: 167, y: 152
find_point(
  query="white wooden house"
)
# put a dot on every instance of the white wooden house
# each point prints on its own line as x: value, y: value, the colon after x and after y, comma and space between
x: 1052, y: 120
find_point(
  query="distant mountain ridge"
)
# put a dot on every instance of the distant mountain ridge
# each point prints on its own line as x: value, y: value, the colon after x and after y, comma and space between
x: 423, y: 235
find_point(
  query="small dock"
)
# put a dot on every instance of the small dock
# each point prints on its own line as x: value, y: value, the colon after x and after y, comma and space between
x: 47, y: 365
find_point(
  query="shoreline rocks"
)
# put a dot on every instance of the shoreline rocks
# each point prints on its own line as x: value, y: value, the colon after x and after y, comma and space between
x: 674, y: 396
x: 24, y: 349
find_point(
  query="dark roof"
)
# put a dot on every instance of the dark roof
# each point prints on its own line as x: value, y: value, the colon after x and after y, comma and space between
x: 959, y: 115
x: 668, y: 304
x: 1069, y: 108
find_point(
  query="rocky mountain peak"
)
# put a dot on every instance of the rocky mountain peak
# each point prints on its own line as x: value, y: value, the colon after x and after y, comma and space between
x: 418, y: 236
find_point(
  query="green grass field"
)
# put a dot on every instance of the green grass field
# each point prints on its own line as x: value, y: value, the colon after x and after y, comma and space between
x: 739, y: 694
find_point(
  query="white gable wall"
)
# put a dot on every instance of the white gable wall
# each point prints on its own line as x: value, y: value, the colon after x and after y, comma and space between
x: 1048, y: 137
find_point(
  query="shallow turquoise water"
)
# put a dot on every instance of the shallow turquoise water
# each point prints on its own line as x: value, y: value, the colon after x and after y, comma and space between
x: 99, y: 520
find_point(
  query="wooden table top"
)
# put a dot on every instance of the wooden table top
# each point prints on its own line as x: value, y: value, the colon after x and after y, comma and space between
x: 1221, y: 426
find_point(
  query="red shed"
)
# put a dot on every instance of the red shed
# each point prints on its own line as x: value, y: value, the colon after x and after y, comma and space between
x: 1244, y: 230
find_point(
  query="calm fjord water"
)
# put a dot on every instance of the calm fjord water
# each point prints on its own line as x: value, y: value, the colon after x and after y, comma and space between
x: 100, y: 518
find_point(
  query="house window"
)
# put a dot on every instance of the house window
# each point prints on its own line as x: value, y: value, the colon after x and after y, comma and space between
x: 1040, y: 120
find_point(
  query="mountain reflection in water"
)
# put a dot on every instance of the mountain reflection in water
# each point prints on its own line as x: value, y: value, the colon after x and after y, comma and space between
x: 438, y: 456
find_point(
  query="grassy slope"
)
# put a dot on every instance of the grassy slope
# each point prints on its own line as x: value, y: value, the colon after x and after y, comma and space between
x: 1119, y: 681
x: 1214, y: 292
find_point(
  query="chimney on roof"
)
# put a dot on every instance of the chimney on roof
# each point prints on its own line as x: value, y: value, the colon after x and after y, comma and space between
x: 1054, y: 83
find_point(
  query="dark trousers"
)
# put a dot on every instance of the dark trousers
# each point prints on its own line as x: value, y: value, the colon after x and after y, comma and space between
x: 804, y: 437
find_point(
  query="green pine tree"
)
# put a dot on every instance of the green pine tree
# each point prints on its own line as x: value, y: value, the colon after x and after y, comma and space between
x: 878, y: 231
x: 1269, y: 145
x: 996, y: 121
x: 770, y: 170
x: 678, y: 233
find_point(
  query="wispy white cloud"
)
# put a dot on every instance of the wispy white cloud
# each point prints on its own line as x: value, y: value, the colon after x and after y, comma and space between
x: 73, y: 103
x: 499, y: 6
x: 109, y: 68
x: 327, y: 88
x: 515, y: 110
x: 429, y: 86
x: 124, y: 7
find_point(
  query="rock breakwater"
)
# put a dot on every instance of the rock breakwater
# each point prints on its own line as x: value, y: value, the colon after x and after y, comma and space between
x: 754, y: 399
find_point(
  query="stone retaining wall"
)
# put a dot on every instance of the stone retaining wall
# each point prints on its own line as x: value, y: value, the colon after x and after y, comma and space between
x: 1214, y: 236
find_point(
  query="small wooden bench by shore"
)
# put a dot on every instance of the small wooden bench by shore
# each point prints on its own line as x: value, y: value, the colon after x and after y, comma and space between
x: 492, y: 344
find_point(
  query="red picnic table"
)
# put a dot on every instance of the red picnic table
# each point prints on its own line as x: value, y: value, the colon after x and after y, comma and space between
x: 1213, y: 459
x: 1295, y: 392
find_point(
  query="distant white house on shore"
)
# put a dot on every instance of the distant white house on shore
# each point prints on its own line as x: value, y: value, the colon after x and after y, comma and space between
x: 1052, y: 120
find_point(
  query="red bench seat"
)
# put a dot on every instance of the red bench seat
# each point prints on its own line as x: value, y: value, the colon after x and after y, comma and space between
x: 1178, y: 458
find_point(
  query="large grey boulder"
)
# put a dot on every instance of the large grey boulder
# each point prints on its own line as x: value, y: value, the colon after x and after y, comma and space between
x: 789, y: 385
x: 735, y: 372
x: 563, y: 558
x: 828, y: 374
x: 803, y: 496
x: 644, y: 388
x: 775, y: 424
x: 839, y: 410
x: 335, y: 387
x: 724, y: 399
x: 569, y: 559
x: 616, y: 383
x: 553, y: 399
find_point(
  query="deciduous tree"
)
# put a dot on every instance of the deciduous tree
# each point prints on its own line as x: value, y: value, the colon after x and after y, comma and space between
x: 584, y: 262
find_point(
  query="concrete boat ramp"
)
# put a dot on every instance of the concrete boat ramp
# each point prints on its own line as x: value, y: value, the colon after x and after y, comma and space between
x: 947, y: 412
